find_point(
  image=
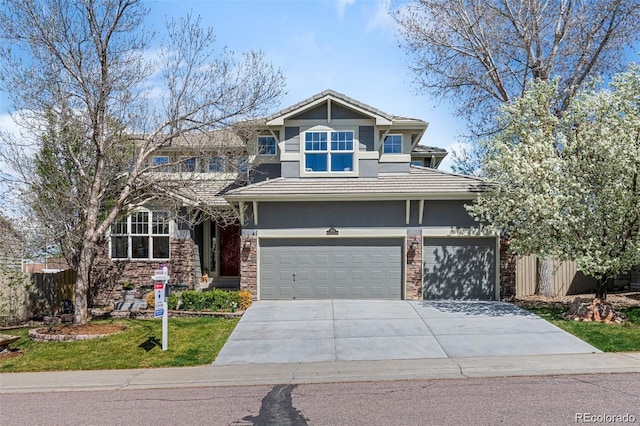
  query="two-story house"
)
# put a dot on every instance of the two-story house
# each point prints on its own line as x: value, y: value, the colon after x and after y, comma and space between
x: 344, y: 202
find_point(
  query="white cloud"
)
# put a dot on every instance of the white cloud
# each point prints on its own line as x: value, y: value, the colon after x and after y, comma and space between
x: 380, y: 18
x: 341, y: 5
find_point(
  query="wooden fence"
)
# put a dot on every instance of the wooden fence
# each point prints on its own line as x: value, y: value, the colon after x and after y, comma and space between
x: 566, y: 279
x: 49, y: 290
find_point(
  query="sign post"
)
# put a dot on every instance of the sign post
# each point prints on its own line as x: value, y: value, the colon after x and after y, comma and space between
x: 161, y: 278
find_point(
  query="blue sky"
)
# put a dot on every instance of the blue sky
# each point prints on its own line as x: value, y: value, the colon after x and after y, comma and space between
x: 345, y: 45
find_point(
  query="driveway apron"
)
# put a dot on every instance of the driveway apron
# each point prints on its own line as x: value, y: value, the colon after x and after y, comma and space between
x: 349, y: 330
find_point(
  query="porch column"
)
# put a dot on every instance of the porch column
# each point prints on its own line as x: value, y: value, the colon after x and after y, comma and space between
x: 413, y: 286
x: 249, y: 264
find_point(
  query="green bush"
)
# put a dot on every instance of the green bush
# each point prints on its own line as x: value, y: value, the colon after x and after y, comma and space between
x: 211, y: 300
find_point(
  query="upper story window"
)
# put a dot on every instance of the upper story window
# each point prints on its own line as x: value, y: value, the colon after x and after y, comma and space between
x: 266, y: 145
x: 141, y: 235
x: 188, y: 165
x: 216, y: 164
x: 159, y: 161
x: 392, y: 144
x: 328, y: 151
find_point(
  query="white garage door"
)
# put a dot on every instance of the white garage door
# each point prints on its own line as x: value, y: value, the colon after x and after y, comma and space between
x: 331, y: 268
x: 459, y: 268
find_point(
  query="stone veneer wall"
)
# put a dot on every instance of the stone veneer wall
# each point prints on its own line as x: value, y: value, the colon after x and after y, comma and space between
x: 107, y: 276
x: 413, y: 287
x: 249, y: 264
x: 507, y: 271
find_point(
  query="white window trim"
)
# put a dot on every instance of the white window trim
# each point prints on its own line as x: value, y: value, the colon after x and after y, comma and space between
x: 401, y: 144
x: 149, y: 234
x: 328, y: 130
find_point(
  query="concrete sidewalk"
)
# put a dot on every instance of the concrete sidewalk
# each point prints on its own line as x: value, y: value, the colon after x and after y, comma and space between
x: 319, y: 372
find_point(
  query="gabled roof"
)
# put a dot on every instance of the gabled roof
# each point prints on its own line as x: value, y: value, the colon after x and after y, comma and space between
x: 382, y: 118
x: 419, y: 183
x: 423, y: 149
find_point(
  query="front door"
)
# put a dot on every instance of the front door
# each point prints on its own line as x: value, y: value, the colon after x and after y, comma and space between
x: 230, y: 251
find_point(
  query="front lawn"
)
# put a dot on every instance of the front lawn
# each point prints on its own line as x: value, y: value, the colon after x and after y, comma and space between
x: 192, y: 341
x: 606, y: 337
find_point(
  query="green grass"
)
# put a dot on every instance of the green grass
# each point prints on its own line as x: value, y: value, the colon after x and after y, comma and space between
x: 192, y: 341
x: 606, y: 337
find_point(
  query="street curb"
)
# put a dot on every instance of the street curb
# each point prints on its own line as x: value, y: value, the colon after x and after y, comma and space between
x: 321, y: 372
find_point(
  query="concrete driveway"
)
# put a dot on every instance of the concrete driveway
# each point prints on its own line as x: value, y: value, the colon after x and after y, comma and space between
x: 349, y: 330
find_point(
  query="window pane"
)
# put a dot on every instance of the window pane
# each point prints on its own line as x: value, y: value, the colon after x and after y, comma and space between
x: 119, y: 247
x: 161, y: 247
x: 188, y: 165
x: 341, y: 162
x: 315, y: 141
x: 160, y: 161
x: 392, y: 144
x: 160, y: 223
x: 120, y: 227
x: 140, y: 247
x: 140, y: 223
x: 216, y: 164
x: 266, y: 145
x: 315, y: 162
x: 341, y: 141
x: 243, y: 165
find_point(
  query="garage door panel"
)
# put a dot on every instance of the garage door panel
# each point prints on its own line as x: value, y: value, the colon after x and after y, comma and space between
x: 341, y: 268
x: 459, y: 268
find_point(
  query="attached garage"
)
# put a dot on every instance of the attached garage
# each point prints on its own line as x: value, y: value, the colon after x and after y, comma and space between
x: 330, y: 268
x: 459, y: 268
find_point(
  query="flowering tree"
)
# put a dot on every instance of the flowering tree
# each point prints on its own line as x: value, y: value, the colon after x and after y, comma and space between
x: 568, y: 186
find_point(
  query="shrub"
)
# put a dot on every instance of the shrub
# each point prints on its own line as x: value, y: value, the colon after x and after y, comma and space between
x: 151, y: 300
x: 245, y: 299
x: 211, y: 300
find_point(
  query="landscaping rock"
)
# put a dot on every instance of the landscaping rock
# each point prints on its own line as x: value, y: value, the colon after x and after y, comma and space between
x: 593, y: 310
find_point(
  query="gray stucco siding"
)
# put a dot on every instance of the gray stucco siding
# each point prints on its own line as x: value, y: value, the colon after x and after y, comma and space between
x: 358, y: 214
x: 368, y: 168
x: 366, y: 138
x: 290, y: 169
x: 393, y: 167
x: 265, y: 171
x: 292, y: 139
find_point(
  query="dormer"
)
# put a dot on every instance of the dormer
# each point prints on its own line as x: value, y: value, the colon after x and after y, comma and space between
x: 332, y: 135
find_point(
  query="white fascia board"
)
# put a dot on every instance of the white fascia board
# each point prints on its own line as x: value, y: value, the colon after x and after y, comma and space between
x: 368, y: 155
x: 395, y: 158
x: 352, y: 197
x: 342, y: 233
x: 289, y: 156
x: 455, y: 232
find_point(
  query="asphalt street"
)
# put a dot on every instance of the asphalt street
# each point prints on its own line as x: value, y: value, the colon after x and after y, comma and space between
x: 550, y: 400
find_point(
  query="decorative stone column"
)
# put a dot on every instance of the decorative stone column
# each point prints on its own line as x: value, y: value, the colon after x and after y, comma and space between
x: 413, y: 250
x: 249, y: 264
x: 507, y: 271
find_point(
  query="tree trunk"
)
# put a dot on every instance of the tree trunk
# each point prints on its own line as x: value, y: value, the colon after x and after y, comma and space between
x: 601, y: 291
x: 545, y: 277
x: 81, y: 315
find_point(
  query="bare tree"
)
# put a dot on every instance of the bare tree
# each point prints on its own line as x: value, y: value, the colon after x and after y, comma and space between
x: 96, y: 103
x: 484, y: 53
